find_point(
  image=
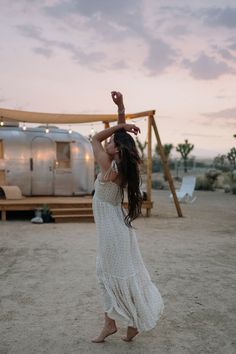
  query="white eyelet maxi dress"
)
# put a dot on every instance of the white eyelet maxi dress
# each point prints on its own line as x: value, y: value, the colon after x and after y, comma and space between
x: 129, y: 294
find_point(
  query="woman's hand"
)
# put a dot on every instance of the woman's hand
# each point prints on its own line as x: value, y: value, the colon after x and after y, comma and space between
x: 117, y: 99
x: 131, y: 128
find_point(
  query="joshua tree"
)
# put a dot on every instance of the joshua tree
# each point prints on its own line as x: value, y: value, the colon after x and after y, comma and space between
x: 231, y: 156
x: 141, y: 147
x: 220, y: 162
x: 167, y: 149
x: 184, y: 150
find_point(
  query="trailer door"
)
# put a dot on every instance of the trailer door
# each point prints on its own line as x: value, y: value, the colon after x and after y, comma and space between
x: 43, y: 156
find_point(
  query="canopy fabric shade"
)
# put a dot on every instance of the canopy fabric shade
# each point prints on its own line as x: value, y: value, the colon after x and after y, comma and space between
x: 59, y: 118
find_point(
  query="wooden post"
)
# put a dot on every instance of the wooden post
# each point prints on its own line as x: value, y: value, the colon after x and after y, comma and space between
x: 4, y: 215
x: 106, y: 125
x: 149, y: 164
x: 166, y: 168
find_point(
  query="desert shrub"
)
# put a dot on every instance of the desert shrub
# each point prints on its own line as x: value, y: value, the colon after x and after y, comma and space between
x: 226, y: 179
x: 233, y: 189
x: 46, y: 214
x: 212, y: 174
x: 230, y: 180
x: 157, y: 184
x: 204, y: 184
x: 220, y: 163
x: 218, y: 184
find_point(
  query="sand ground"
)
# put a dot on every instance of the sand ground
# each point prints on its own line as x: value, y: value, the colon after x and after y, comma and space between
x: 50, y: 302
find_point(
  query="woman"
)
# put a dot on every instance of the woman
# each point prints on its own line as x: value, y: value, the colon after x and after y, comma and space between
x: 129, y: 294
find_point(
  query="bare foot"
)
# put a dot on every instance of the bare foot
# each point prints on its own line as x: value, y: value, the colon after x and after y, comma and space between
x: 131, y: 333
x: 107, y: 330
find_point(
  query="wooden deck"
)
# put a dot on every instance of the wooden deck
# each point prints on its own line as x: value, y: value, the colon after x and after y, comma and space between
x: 64, y: 209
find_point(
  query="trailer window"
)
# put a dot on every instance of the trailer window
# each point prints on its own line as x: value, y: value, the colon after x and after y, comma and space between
x: 63, y: 155
x: 1, y: 149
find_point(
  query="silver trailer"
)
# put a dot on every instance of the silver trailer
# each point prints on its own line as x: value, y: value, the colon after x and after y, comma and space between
x: 46, y: 163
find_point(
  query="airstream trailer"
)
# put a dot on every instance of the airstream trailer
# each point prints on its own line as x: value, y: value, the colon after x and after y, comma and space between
x: 46, y: 163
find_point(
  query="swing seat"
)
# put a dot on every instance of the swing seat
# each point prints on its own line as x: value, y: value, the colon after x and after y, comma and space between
x: 186, y: 191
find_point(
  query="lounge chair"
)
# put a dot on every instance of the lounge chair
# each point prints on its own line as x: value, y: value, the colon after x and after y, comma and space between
x: 185, y: 193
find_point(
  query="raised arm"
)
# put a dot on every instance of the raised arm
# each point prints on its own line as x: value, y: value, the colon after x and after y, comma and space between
x: 101, y: 156
x: 118, y: 100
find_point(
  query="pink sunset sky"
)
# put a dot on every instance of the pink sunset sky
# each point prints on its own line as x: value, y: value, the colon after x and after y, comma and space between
x: 178, y: 57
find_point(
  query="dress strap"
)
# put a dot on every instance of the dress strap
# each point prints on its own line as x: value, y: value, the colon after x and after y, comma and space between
x: 113, y: 168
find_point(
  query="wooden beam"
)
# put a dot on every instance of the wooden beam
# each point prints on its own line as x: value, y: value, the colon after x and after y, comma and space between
x: 106, y: 125
x: 166, y: 168
x: 61, y: 118
x: 149, y: 163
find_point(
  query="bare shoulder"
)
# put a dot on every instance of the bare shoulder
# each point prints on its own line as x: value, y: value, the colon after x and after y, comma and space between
x: 101, y: 157
x: 103, y: 160
x: 111, y: 174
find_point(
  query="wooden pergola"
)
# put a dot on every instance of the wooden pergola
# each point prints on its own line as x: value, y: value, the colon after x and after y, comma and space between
x: 58, y: 118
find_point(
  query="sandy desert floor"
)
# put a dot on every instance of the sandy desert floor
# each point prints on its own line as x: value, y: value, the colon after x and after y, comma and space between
x: 50, y: 302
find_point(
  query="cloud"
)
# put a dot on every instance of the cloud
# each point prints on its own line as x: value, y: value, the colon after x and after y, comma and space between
x: 215, y: 16
x: 232, y: 43
x: 110, y: 9
x: 232, y: 46
x: 160, y: 56
x: 119, y: 65
x: 87, y: 8
x: 62, y: 9
x: 103, y: 24
x: 110, y: 20
x: 225, y: 117
x: 179, y: 31
x: 108, y: 25
x: 45, y: 52
x: 176, y: 11
x: 30, y: 31
x: 207, y: 68
x: 229, y: 114
x: 47, y: 45
x: 226, y: 54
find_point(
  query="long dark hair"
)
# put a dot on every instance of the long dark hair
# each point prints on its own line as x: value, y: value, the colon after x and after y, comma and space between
x: 128, y: 168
